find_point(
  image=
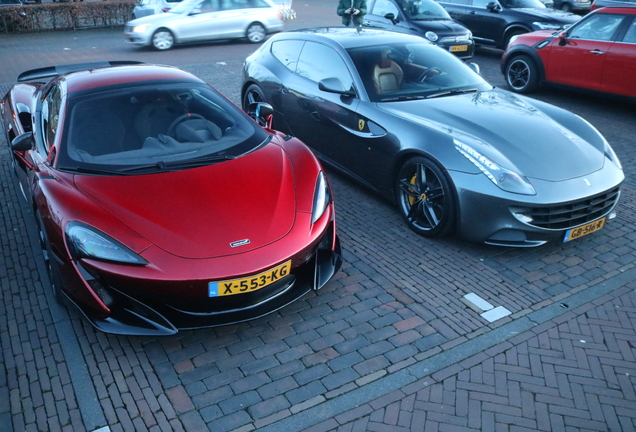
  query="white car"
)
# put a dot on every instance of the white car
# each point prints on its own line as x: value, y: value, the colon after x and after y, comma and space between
x: 150, y: 7
x: 201, y: 20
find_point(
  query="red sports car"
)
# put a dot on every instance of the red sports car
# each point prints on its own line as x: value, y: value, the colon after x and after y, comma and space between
x: 160, y: 204
x: 596, y: 53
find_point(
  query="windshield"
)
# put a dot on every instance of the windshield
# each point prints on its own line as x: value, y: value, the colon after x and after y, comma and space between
x: 185, y: 6
x: 423, y: 10
x: 520, y: 4
x: 403, y: 71
x: 154, y: 127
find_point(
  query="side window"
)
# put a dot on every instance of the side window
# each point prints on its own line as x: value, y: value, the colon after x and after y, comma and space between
x: 600, y: 27
x: 318, y: 62
x: 383, y: 7
x: 630, y: 36
x: 50, y: 117
x: 287, y: 52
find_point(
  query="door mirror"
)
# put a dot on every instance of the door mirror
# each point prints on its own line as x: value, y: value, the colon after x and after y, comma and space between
x: 261, y: 112
x: 334, y: 85
x: 390, y: 16
x: 23, y: 142
x: 475, y: 67
x: 563, y: 38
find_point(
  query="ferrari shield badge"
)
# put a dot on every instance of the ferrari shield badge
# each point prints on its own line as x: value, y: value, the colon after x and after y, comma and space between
x: 360, y: 125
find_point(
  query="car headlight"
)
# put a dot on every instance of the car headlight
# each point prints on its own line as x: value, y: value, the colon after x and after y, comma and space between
x: 87, y: 242
x: 609, y: 152
x: 140, y: 28
x: 505, y: 179
x: 432, y: 36
x: 322, y: 197
x: 537, y: 25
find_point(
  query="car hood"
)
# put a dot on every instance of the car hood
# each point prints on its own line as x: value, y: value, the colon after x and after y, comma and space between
x: 443, y: 27
x: 549, y: 14
x: 199, y: 213
x: 509, y: 130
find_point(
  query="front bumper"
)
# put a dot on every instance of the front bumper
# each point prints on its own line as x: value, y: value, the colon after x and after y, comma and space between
x: 487, y: 214
x: 135, y: 312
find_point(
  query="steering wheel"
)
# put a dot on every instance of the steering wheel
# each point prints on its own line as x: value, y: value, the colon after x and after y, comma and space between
x: 182, y: 118
x: 429, y: 73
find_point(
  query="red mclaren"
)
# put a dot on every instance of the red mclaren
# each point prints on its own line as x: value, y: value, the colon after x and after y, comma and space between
x: 161, y: 205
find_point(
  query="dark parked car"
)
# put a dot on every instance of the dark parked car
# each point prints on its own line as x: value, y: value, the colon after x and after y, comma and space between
x: 418, y: 126
x: 425, y: 18
x: 596, y: 53
x: 495, y: 22
x: 573, y: 5
x: 597, y: 4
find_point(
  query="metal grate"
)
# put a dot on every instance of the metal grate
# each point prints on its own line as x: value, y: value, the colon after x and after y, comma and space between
x: 569, y: 215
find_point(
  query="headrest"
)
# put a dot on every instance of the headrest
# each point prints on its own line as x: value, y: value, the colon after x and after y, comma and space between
x: 197, y: 130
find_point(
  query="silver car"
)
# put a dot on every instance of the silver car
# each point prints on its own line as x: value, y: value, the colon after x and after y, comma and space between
x: 201, y: 20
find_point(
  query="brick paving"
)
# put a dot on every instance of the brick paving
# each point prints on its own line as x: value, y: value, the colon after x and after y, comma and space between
x: 392, y: 310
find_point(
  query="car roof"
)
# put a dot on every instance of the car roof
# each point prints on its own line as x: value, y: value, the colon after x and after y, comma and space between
x: 100, y: 77
x: 616, y: 10
x: 349, y: 37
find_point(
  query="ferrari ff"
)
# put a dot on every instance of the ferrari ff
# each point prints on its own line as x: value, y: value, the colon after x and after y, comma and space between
x: 417, y: 125
x: 160, y: 204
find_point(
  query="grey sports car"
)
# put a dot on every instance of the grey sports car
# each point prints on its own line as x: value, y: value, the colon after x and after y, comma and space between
x: 422, y: 128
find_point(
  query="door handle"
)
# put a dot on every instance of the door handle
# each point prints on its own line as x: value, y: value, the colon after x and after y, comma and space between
x: 599, y: 52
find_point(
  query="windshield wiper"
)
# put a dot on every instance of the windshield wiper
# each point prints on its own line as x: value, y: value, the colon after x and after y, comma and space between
x: 402, y: 98
x: 84, y: 170
x: 451, y: 92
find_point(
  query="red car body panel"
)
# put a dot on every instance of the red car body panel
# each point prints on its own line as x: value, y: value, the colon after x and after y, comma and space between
x: 193, y: 226
x: 598, y: 65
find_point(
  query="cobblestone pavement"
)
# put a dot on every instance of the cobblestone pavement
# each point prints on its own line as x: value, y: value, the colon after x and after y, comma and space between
x: 387, y: 345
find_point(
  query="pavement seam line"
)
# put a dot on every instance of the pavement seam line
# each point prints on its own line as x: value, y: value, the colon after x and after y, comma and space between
x: 397, y: 380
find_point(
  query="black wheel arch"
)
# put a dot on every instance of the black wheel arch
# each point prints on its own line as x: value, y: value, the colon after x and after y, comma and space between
x: 518, y: 50
x: 513, y: 28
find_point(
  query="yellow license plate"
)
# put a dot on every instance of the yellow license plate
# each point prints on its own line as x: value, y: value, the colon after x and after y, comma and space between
x: 247, y: 284
x: 459, y: 48
x: 589, y: 228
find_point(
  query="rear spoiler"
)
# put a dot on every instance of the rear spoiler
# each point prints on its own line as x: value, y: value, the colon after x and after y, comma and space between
x: 53, y: 71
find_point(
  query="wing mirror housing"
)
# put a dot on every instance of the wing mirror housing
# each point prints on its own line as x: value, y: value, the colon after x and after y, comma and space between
x: 390, y: 16
x: 262, y: 112
x: 334, y: 85
x: 23, y: 142
x: 475, y: 67
x: 563, y: 40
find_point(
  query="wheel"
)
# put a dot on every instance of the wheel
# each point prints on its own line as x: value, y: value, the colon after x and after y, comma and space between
x: 252, y: 94
x: 163, y: 39
x: 52, y: 269
x: 566, y: 7
x: 255, y: 33
x: 522, y: 74
x: 182, y: 118
x: 425, y: 198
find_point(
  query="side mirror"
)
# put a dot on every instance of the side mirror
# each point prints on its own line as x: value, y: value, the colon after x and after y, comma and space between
x: 392, y: 18
x: 563, y: 40
x: 475, y: 67
x: 261, y: 112
x: 23, y: 142
x: 334, y: 85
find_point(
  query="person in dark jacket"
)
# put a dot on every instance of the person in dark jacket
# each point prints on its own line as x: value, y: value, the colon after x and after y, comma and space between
x: 352, y: 11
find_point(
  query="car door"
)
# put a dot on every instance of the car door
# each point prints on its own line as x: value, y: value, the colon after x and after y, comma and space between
x: 580, y: 60
x: 485, y: 23
x: 621, y: 57
x: 201, y: 23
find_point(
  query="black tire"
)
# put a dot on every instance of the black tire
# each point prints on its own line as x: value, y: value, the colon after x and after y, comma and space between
x: 566, y: 7
x: 52, y: 268
x: 162, y: 39
x: 255, y: 33
x: 522, y: 74
x: 252, y: 94
x: 426, y: 198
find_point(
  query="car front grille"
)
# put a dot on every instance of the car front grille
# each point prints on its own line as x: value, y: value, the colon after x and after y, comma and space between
x: 569, y: 215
